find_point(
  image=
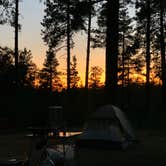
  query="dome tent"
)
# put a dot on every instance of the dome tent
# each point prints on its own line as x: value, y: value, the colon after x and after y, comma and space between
x: 107, y: 127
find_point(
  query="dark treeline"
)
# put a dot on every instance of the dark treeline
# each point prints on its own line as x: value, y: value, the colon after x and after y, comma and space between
x: 132, y: 32
x: 29, y: 107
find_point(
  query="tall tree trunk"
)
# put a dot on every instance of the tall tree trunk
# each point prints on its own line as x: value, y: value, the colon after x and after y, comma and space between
x: 68, y: 44
x: 50, y: 79
x: 16, y: 40
x: 112, y: 40
x: 123, y: 52
x: 148, y: 55
x: 162, y: 45
x: 108, y: 50
x: 123, y: 70
x: 128, y: 80
x: 88, y: 46
x: 123, y: 59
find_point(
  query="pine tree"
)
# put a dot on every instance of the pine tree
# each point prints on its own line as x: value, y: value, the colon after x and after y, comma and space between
x: 95, y: 77
x: 74, y: 73
x: 88, y: 43
x: 147, y: 14
x: 26, y: 69
x: 126, y: 42
x: 62, y: 19
x: 49, y: 73
x: 113, y: 28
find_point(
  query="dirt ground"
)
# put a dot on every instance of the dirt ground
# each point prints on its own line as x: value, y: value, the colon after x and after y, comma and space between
x: 13, y: 145
x: 151, y: 150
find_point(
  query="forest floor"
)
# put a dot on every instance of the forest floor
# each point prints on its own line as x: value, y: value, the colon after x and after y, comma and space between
x: 151, y: 150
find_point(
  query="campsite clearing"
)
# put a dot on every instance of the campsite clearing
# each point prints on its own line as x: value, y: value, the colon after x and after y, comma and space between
x: 150, y: 150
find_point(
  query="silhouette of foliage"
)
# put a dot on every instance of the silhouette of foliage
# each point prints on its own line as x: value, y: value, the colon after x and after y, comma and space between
x: 60, y: 22
x: 6, y: 68
x: 74, y: 78
x: 95, y: 77
x: 49, y: 76
x: 26, y: 69
x: 6, y: 11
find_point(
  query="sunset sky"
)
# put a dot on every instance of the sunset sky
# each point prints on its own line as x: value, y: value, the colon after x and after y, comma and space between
x: 31, y: 14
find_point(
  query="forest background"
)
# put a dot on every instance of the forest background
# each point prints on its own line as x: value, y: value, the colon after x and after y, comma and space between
x: 128, y: 34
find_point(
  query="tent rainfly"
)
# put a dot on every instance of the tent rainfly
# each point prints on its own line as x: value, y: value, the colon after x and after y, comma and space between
x: 107, y: 128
